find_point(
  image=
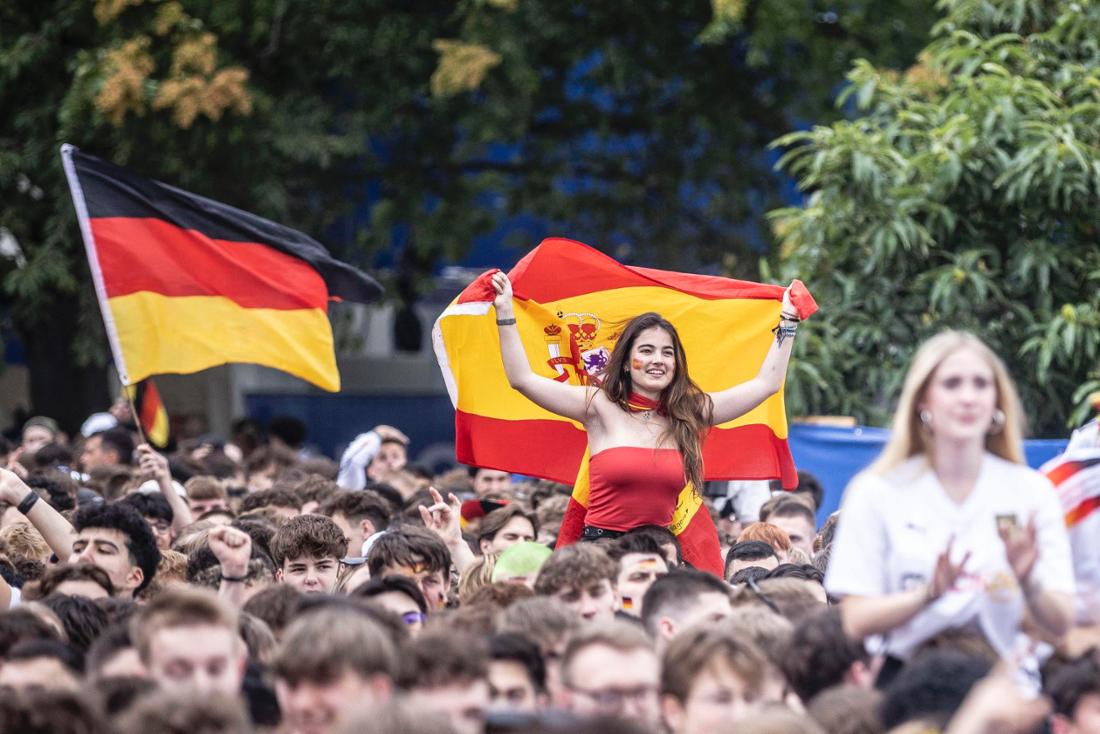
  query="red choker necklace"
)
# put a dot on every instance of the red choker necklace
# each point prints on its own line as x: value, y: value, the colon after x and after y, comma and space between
x: 640, y: 404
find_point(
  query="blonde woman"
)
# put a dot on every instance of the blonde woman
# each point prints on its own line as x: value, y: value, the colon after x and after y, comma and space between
x: 948, y: 527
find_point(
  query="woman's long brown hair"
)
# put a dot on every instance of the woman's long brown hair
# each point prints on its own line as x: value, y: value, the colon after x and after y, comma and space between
x: 688, y: 408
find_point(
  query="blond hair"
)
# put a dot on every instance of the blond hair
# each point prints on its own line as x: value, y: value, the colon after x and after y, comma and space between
x: 908, y: 436
x: 24, y: 541
x: 477, y: 574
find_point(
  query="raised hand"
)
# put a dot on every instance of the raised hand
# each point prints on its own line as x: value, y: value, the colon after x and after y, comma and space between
x: 788, y: 307
x: 152, y: 464
x: 12, y: 488
x: 233, y: 549
x: 442, y: 518
x: 503, y: 287
x: 946, y: 573
x: 389, y: 433
x: 1021, y: 548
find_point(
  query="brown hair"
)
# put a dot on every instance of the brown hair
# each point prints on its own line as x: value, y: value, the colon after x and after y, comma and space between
x: 543, y: 620
x: 574, y: 566
x: 186, y: 607
x: 24, y: 540
x: 409, y: 545
x: 265, y: 456
x: 773, y: 535
x: 492, y: 523
x: 173, y: 712
x: 322, y: 644
x: 275, y: 605
x: 700, y: 648
x: 205, y: 488
x: 357, y: 505
x: 57, y: 575
x: 620, y: 636
x: 441, y: 657
x: 274, y: 497
x: 500, y: 595
x: 318, y: 536
x: 793, y: 598
x: 846, y: 709
x: 690, y: 411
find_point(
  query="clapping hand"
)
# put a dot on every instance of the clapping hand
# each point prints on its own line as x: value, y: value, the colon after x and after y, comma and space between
x: 1021, y: 548
x: 946, y: 573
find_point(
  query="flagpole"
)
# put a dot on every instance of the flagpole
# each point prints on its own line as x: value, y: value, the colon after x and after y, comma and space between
x: 133, y: 412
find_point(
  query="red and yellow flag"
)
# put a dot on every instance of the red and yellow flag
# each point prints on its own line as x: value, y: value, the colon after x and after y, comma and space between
x: 151, y: 415
x: 186, y: 283
x: 571, y: 305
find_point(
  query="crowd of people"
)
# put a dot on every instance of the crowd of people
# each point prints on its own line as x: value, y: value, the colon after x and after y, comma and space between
x: 246, y: 585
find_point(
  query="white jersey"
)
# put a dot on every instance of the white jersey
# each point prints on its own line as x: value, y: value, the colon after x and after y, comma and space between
x: 893, y: 526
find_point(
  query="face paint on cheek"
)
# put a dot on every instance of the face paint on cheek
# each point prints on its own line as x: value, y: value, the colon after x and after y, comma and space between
x: 649, y: 565
x: 636, y: 363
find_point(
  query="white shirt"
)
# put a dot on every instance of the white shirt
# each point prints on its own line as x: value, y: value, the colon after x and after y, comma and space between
x: 892, y: 527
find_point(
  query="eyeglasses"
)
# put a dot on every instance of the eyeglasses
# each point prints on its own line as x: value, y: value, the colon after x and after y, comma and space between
x: 612, y: 698
x: 411, y: 618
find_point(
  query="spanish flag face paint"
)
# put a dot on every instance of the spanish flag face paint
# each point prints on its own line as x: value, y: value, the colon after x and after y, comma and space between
x: 186, y: 283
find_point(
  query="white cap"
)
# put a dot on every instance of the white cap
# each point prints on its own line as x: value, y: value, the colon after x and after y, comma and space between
x: 97, y: 422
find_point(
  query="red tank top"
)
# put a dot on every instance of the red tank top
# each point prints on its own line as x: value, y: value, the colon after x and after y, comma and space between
x: 631, y: 486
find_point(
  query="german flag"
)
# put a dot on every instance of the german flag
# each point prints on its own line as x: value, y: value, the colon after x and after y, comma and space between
x: 186, y: 283
x: 571, y: 305
x: 151, y: 415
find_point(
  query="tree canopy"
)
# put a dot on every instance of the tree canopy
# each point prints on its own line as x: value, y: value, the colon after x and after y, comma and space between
x: 966, y: 194
x: 412, y: 128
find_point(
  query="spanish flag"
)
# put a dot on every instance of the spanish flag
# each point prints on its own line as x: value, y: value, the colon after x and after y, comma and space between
x: 571, y: 304
x: 186, y: 283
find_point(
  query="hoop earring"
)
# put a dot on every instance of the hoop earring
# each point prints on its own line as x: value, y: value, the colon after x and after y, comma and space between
x: 925, y: 418
x: 998, y: 423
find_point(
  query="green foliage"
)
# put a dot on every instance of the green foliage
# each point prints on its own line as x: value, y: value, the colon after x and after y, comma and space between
x: 966, y: 194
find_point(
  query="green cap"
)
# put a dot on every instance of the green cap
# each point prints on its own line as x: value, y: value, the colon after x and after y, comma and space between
x: 520, y: 560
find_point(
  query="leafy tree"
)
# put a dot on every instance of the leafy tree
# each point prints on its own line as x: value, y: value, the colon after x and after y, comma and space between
x: 965, y: 195
x: 410, y: 129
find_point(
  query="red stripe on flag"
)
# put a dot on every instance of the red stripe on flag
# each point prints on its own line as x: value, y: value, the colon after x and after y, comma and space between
x: 552, y: 449
x: 152, y: 255
x: 150, y: 405
x: 1064, y: 471
x: 1082, y: 510
x: 699, y: 544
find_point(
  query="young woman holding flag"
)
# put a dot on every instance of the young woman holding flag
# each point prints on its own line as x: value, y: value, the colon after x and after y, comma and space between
x: 647, y: 419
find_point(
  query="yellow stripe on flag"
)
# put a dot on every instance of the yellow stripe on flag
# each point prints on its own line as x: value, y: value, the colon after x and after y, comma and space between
x: 162, y: 334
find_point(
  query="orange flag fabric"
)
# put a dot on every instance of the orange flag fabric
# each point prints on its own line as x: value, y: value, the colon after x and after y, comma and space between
x: 571, y: 304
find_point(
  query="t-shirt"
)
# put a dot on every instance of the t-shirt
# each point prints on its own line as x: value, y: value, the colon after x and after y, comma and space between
x: 893, y: 526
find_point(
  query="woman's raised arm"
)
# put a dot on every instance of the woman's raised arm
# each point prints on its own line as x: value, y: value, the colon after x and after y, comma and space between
x: 570, y: 401
x: 734, y: 402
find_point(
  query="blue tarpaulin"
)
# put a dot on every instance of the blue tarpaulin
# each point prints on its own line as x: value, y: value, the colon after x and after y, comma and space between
x: 835, y: 455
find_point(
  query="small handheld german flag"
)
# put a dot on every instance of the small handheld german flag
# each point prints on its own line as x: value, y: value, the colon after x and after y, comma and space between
x: 150, y: 412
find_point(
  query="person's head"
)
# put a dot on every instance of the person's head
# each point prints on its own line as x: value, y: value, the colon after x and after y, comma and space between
x: 113, y: 446
x: 328, y: 657
x: 23, y: 540
x: 359, y: 514
x: 931, y: 687
x: 504, y: 527
x: 710, y: 677
x: 750, y: 553
x: 176, y: 712
x: 38, y: 711
x: 765, y: 532
x: 447, y: 671
x: 953, y: 391
x: 188, y: 640
x: 641, y: 562
x: 548, y: 623
x: 517, y: 675
x: 76, y: 579
x: 307, y: 551
x: 47, y: 664
x: 415, y: 552
x: 157, y: 512
x: 82, y: 620
x: 276, y: 606
x: 490, y: 482
x: 117, y: 538
x: 791, y: 597
x: 809, y: 487
x: 113, y: 655
x: 400, y: 595
x: 264, y: 464
x: 205, y: 493
x: 1074, y: 690
x: 583, y: 576
x: 649, y: 359
x: 682, y: 598
x: 610, y: 668
x: 847, y: 709
x: 797, y: 520
x: 39, y: 431
x: 822, y: 655
x: 392, y: 456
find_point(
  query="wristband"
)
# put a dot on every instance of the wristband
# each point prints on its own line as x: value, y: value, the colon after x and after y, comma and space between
x: 505, y: 322
x: 28, y: 502
x: 235, y: 579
